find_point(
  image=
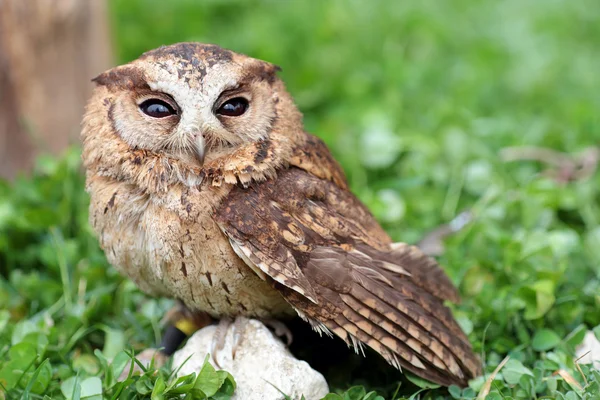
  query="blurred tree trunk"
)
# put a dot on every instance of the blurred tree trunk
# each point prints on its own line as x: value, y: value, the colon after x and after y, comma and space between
x: 49, y: 51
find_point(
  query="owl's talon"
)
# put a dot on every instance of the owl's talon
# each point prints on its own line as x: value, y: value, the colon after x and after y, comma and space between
x: 221, y: 334
x: 218, y: 342
x: 238, y: 330
x: 280, y: 329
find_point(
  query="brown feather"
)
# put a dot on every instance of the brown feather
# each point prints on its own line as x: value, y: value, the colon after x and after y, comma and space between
x: 315, y: 158
x: 423, y: 269
x: 334, y: 264
x: 385, y: 301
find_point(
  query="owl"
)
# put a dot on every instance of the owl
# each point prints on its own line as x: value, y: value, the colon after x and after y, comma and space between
x: 205, y: 188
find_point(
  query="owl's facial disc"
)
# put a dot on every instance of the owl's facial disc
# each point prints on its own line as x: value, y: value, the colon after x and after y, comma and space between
x: 158, y: 108
x: 193, y: 102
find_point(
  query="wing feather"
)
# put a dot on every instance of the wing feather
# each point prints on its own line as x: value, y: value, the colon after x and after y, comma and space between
x: 334, y: 264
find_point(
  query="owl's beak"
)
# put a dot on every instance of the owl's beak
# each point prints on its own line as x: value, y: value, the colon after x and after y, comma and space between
x: 199, y: 147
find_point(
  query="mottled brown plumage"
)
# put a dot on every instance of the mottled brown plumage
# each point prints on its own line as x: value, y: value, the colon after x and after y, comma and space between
x: 249, y: 215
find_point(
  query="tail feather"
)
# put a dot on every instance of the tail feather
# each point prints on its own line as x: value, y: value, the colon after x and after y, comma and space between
x: 361, y: 299
x: 404, y: 290
x: 440, y: 361
x: 402, y: 311
x: 423, y: 331
x: 397, y: 354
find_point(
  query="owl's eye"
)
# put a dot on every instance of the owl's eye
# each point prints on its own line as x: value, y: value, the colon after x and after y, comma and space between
x: 234, y: 107
x: 157, y: 108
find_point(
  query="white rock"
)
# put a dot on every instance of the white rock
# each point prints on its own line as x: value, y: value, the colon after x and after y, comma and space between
x: 589, y: 351
x: 261, y: 362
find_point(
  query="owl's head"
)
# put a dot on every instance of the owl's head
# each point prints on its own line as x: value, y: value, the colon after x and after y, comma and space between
x: 193, y: 102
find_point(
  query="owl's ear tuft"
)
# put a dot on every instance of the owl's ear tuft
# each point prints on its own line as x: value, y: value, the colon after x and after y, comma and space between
x: 262, y: 70
x: 102, y: 79
x: 123, y: 77
x: 275, y: 68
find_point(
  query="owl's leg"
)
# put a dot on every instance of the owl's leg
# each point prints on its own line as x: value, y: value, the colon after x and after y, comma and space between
x: 182, y: 323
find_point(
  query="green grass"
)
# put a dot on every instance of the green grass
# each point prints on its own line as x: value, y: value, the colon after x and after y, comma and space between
x: 416, y: 99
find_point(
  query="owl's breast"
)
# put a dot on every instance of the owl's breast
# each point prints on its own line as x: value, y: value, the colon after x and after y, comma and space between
x: 169, y: 245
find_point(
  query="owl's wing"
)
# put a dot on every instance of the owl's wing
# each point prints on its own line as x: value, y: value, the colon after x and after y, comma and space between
x: 332, y: 262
